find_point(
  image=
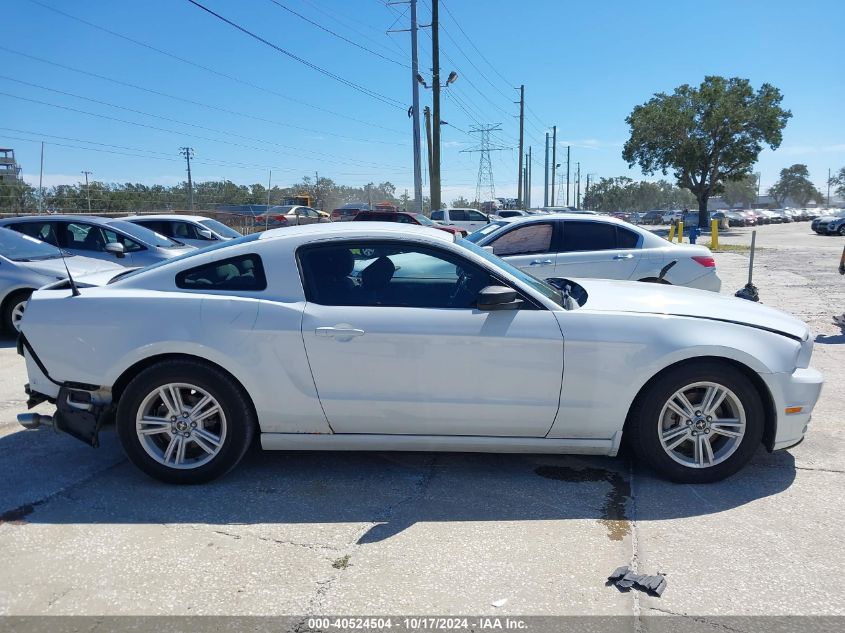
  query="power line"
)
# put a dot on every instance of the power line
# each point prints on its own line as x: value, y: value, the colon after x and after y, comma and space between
x: 480, y: 54
x: 211, y: 70
x: 169, y: 131
x: 157, y: 155
x: 338, y: 35
x: 351, y: 84
x: 192, y: 102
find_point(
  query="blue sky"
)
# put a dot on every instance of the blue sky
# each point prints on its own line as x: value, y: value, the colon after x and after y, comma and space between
x: 250, y: 108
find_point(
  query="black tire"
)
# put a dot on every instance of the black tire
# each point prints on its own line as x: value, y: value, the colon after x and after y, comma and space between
x: 6, y: 319
x: 241, y: 421
x: 842, y: 230
x: 643, y: 422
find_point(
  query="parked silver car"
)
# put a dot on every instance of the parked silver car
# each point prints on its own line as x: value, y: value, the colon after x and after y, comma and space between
x: 193, y: 230
x: 27, y: 264
x: 114, y: 240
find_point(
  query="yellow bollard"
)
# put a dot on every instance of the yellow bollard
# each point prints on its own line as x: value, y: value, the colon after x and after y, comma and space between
x: 714, y: 234
x: 680, y: 231
x: 671, y: 232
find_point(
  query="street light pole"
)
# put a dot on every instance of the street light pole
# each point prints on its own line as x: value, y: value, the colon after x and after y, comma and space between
x: 435, y: 105
x: 418, y: 195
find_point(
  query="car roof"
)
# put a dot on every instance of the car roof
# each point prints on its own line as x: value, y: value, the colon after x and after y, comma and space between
x: 354, y: 229
x: 582, y: 217
x: 64, y: 217
x: 164, y: 216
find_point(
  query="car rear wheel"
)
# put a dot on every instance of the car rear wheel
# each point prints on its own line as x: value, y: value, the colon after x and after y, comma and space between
x: 13, y: 310
x: 184, y: 422
x: 842, y: 230
x: 698, y: 424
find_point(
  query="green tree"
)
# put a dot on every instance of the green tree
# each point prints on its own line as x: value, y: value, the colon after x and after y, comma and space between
x: 838, y: 181
x: 794, y: 183
x: 706, y: 135
x: 741, y: 192
x: 463, y: 203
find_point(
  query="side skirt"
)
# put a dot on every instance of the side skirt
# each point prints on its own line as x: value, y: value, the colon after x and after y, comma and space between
x: 438, y: 443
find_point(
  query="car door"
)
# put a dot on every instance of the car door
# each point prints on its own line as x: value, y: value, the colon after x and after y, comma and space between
x: 475, y: 220
x: 396, y: 346
x: 89, y: 240
x: 597, y: 249
x: 528, y: 246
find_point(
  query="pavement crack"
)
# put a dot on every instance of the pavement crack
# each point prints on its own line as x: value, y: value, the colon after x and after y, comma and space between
x: 699, y: 619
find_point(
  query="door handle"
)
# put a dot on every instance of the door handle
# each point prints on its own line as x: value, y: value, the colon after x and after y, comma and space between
x: 340, y: 332
x: 540, y: 262
x: 625, y: 256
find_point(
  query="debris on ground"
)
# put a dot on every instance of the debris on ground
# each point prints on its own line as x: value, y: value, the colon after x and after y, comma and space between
x: 499, y: 603
x: 623, y: 578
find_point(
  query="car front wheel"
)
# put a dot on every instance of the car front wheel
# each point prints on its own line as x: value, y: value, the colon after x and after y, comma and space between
x: 184, y: 422
x: 697, y: 424
x: 13, y: 311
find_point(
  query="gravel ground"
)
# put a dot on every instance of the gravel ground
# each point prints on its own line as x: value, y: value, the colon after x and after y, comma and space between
x: 83, y: 532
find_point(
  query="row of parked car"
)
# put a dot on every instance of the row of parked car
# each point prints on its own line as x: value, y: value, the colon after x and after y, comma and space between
x: 744, y: 217
x: 544, y: 244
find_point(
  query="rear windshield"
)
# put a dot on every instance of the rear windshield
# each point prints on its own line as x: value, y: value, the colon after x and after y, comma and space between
x: 220, y: 228
x: 191, y: 253
x: 144, y: 234
x: 23, y: 248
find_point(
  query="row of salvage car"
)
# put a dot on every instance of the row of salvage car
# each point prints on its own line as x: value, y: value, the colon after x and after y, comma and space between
x: 268, y: 335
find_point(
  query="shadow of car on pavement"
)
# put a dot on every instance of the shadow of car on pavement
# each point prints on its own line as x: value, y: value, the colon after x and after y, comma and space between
x: 391, y: 490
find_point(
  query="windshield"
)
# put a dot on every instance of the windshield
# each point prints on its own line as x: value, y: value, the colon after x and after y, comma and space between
x: 425, y: 221
x: 23, y: 248
x: 144, y: 234
x: 485, y: 231
x: 542, y: 287
x: 191, y: 253
x: 220, y: 228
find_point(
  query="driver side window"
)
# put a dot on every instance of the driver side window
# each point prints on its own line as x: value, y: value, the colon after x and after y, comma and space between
x: 389, y: 274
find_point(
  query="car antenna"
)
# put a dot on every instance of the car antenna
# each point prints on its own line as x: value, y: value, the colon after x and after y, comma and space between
x: 74, y: 291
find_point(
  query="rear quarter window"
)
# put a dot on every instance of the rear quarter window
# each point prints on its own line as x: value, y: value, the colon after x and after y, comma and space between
x: 245, y: 272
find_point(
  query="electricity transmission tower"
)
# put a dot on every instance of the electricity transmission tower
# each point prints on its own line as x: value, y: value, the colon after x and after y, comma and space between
x: 485, y: 166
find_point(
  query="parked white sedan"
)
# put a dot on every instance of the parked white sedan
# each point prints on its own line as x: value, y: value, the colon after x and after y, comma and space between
x: 276, y: 333
x: 193, y: 230
x: 575, y: 245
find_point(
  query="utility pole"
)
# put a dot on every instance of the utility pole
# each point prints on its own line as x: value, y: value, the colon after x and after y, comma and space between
x: 188, y: 153
x: 567, y: 175
x: 828, y: 187
x: 435, y: 104
x: 525, y: 183
x: 521, y: 140
x: 267, y: 211
x: 528, y: 188
x: 587, y: 187
x: 427, y: 114
x: 578, y: 189
x: 88, y: 189
x: 41, y: 183
x: 546, y: 176
x: 416, y: 111
x: 554, y: 161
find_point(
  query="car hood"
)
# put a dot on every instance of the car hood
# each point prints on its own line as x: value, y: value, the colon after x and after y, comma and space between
x: 644, y: 298
x: 78, y: 266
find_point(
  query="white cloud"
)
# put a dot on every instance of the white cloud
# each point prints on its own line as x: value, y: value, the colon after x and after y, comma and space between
x: 51, y: 180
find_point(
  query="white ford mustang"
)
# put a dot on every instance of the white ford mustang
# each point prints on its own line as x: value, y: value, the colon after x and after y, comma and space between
x: 370, y: 336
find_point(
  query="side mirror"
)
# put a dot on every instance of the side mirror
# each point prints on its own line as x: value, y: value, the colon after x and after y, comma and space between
x: 117, y: 249
x: 488, y: 219
x: 206, y: 234
x: 494, y: 298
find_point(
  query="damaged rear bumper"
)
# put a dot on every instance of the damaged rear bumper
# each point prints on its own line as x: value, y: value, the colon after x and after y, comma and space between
x: 81, y: 410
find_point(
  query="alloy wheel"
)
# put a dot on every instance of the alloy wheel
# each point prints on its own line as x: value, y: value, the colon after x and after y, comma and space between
x: 702, y: 424
x: 17, y: 314
x: 181, y: 426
